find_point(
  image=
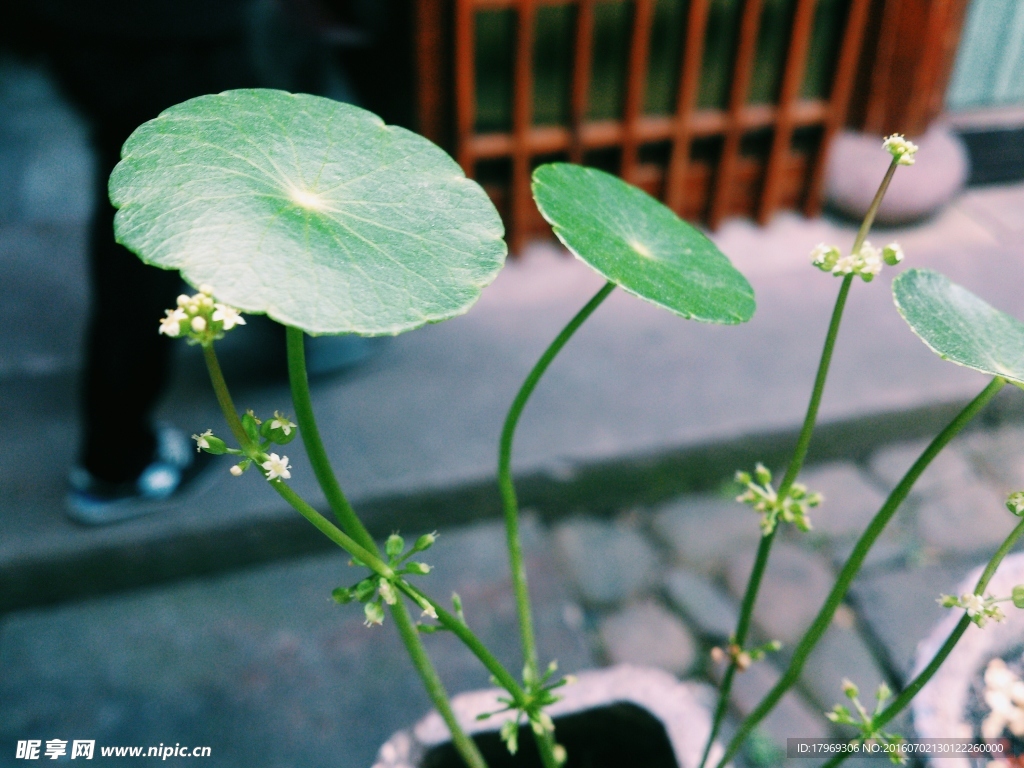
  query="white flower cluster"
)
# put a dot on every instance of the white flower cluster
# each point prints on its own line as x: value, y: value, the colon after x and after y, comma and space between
x: 901, y: 148
x: 760, y: 495
x: 199, y: 318
x: 866, y: 262
x: 1004, y: 694
x: 979, y: 608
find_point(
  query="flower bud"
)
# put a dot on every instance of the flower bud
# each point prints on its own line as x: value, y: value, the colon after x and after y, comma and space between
x: 419, y: 568
x: 892, y: 254
x: 387, y: 592
x: 762, y: 473
x: 395, y: 545
x: 1015, y: 503
x: 236, y: 470
x: 364, y: 590
x: 850, y: 689
x: 342, y: 595
x: 206, y: 289
x: 424, y: 542
x: 824, y: 257
x: 198, y: 323
x: 1018, y: 596
x: 183, y: 300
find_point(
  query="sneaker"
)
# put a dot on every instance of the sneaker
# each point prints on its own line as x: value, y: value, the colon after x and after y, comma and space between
x: 175, y: 465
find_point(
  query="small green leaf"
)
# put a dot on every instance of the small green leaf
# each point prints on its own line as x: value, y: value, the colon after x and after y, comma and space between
x: 637, y: 243
x: 1018, y: 596
x: 958, y: 326
x: 311, y: 211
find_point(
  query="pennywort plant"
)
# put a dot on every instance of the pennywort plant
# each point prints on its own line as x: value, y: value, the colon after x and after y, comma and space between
x: 328, y: 221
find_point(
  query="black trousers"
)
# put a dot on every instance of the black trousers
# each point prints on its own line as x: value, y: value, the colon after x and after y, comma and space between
x: 119, y: 83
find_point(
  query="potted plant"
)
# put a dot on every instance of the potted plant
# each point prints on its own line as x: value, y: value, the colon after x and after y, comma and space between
x: 320, y: 216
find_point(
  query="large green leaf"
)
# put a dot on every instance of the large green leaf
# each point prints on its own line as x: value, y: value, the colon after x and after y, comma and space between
x: 637, y: 243
x: 958, y: 326
x: 312, y: 211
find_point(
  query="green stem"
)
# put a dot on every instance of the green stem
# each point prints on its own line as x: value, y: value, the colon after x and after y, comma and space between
x: 507, y: 487
x: 853, y: 564
x: 451, y: 622
x: 807, y: 430
x: 315, y: 450
x: 435, y: 688
x: 332, y: 532
x: 520, y: 587
x: 227, y: 406
x: 876, y: 202
x: 914, y: 686
x: 764, y: 547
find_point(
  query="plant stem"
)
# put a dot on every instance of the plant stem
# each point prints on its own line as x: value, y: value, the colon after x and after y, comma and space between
x: 315, y: 450
x: 435, y: 688
x: 853, y: 564
x: 914, y: 686
x: 545, y: 743
x: 765, y: 545
x: 807, y: 430
x: 507, y: 487
x: 459, y: 629
x: 227, y: 406
x: 876, y: 202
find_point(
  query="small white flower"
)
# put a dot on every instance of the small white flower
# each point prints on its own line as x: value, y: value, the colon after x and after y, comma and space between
x: 824, y: 256
x: 171, y: 324
x: 900, y: 148
x: 845, y: 265
x: 280, y: 422
x: 869, y: 262
x: 276, y: 466
x: 387, y: 592
x: 973, y: 604
x: 236, y: 470
x: 198, y: 324
x: 201, y: 441
x: 227, y: 315
x: 893, y: 254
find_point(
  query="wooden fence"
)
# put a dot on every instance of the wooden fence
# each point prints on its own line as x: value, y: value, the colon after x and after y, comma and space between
x: 718, y: 107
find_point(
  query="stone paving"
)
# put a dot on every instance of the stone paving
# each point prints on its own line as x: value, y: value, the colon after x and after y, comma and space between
x: 265, y: 669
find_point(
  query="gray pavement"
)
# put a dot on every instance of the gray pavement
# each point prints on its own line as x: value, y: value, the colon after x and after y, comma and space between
x: 256, y: 662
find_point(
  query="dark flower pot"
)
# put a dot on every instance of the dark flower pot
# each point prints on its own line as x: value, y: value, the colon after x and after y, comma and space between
x: 610, y: 718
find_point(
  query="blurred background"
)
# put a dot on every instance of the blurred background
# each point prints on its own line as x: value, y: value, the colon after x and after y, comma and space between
x: 207, y: 619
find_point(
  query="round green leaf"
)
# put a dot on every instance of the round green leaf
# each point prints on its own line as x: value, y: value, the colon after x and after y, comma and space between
x: 637, y: 243
x: 958, y: 326
x: 311, y: 211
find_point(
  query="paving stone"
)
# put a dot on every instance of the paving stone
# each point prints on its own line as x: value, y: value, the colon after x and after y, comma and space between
x: 261, y: 665
x: 793, y: 718
x: 841, y: 654
x: 609, y: 562
x: 951, y: 466
x: 851, y: 500
x: 998, y: 457
x: 955, y: 510
x: 705, y: 531
x: 795, y: 585
x: 710, y: 608
x: 645, y: 633
x: 968, y: 517
x: 899, y: 606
